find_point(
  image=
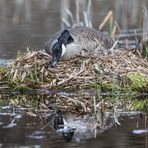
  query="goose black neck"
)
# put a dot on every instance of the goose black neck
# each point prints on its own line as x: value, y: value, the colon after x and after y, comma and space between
x: 65, y: 37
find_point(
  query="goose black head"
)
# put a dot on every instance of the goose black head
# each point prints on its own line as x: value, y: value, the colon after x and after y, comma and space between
x: 59, y: 47
x: 61, y: 126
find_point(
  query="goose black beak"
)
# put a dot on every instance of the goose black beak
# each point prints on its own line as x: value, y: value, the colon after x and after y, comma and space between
x: 56, y: 53
x: 54, y: 61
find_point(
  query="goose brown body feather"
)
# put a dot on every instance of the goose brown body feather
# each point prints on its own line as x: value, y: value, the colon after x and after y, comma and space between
x: 84, y: 39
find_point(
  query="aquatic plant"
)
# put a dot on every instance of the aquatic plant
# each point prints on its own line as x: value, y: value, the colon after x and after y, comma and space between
x: 140, y: 103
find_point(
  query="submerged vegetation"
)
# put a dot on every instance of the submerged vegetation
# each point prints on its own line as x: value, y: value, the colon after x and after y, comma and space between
x: 140, y: 103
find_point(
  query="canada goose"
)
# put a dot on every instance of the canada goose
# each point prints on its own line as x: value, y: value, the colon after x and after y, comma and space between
x: 61, y: 126
x: 70, y: 42
x: 75, y: 127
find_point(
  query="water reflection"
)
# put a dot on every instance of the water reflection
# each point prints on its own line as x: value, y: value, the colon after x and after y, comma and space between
x: 28, y: 133
x: 21, y: 127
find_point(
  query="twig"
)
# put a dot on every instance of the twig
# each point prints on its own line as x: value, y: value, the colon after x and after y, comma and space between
x: 75, y: 101
x: 108, y: 16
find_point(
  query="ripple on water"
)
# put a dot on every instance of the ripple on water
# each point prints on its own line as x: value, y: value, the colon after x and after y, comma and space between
x: 37, y: 135
x: 140, y: 131
x: 11, y: 125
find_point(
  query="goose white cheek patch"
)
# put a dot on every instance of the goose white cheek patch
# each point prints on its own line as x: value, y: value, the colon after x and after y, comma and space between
x: 63, y: 49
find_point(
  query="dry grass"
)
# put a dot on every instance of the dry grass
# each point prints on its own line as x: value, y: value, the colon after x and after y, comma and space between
x: 32, y: 70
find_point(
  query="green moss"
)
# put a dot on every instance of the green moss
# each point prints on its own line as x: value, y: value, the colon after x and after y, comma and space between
x: 3, y: 69
x: 137, y: 81
x: 140, y: 103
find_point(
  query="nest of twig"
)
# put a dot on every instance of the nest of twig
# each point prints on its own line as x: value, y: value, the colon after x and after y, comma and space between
x: 33, y: 69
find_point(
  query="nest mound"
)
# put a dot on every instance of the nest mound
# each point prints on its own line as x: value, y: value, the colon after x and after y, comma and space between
x: 102, y: 72
x: 33, y: 69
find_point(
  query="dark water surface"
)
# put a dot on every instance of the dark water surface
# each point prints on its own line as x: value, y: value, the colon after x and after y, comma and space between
x: 26, y: 132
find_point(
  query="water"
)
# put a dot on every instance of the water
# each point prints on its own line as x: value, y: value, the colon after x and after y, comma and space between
x: 27, y: 123
x: 26, y: 24
x: 29, y: 23
x: 27, y: 132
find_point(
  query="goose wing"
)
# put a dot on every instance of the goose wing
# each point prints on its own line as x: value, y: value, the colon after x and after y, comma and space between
x: 91, y: 38
x: 84, y: 37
